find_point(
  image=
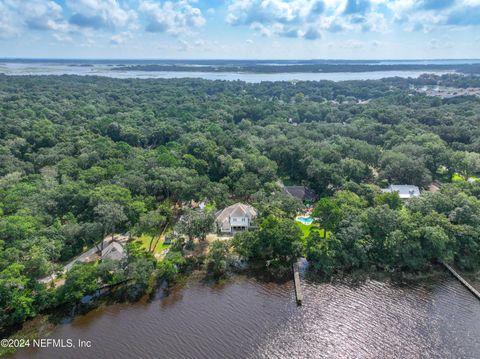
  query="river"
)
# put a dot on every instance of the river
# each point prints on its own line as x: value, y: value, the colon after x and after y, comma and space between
x: 246, y: 318
x: 18, y: 69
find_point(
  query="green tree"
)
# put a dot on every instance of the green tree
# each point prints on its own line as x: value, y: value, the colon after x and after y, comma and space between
x: 17, y: 227
x: 37, y: 262
x: 218, y: 258
x: 110, y: 215
x: 152, y: 224
x: 323, y: 254
x: 276, y: 244
x: 196, y: 223
x: 80, y: 281
x: 392, y: 199
x: 467, y: 163
x: 16, y: 301
x: 328, y: 214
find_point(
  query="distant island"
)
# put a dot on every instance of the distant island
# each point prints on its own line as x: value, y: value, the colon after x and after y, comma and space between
x: 266, y: 68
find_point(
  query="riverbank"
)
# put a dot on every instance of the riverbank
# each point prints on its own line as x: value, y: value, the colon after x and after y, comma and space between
x: 44, y: 325
x: 246, y: 317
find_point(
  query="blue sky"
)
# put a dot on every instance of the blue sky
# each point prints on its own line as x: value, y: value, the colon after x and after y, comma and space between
x: 258, y: 29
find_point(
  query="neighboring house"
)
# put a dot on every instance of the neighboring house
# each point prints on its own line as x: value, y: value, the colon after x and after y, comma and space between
x: 301, y: 192
x: 404, y: 191
x: 237, y: 217
x: 114, y: 251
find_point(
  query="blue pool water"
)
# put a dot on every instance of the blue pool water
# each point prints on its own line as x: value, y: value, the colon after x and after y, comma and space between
x: 305, y: 220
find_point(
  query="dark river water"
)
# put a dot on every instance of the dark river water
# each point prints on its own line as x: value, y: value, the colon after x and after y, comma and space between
x: 245, y: 318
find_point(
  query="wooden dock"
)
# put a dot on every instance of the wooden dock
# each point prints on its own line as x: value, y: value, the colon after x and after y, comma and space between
x: 463, y: 281
x: 297, y: 285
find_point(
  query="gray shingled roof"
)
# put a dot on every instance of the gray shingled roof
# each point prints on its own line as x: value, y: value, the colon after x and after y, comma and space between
x: 113, y: 251
x: 236, y: 210
x: 301, y: 192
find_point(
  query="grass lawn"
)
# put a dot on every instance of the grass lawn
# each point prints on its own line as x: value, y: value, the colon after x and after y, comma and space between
x: 306, y: 230
x: 144, y: 239
x: 457, y: 178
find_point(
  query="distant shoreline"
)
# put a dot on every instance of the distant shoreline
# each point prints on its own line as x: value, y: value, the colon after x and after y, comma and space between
x: 303, y: 68
x: 111, y: 68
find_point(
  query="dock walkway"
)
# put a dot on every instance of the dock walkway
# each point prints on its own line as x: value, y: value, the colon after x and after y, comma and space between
x: 463, y: 281
x: 296, y: 282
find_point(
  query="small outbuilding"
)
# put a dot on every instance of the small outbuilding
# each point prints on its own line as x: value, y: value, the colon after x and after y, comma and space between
x: 404, y: 191
x: 168, y: 239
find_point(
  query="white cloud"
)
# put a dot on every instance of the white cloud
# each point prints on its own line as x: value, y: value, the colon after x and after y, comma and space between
x: 60, y: 37
x: 17, y: 16
x: 8, y: 27
x: 312, y: 33
x: 175, y: 18
x: 299, y: 17
x: 276, y: 17
x: 119, y: 39
x: 100, y: 14
x: 425, y: 15
x: 42, y: 15
x: 247, y: 12
x: 375, y: 22
x: 305, y: 18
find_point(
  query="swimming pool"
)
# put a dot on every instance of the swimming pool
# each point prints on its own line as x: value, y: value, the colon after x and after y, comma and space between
x: 304, y: 220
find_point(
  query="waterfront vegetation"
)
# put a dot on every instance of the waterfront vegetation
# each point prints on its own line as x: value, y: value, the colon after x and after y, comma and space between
x: 85, y: 157
x: 307, y: 229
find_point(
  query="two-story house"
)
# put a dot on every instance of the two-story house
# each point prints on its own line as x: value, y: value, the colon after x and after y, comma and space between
x: 237, y: 217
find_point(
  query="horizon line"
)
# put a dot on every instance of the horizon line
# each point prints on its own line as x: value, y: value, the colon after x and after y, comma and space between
x: 237, y: 59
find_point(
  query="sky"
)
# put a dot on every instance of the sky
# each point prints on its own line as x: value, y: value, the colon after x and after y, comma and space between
x: 240, y: 29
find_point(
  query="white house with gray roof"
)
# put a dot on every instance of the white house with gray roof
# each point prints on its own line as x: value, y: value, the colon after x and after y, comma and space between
x: 237, y: 217
x: 404, y: 191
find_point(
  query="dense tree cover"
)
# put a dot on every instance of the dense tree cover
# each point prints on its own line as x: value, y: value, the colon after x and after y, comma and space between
x: 276, y: 244
x: 21, y: 298
x: 196, y: 223
x: 85, y: 157
x: 392, y: 236
x: 219, y: 258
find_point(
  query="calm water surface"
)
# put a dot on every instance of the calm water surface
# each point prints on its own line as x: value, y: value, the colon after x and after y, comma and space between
x: 105, y: 70
x: 246, y: 318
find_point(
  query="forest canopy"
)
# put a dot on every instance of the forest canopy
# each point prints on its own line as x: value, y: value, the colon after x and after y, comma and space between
x: 82, y: 157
